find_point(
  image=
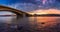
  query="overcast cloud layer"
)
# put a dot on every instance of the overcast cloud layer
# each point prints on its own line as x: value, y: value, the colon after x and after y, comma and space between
x: 29, y: 5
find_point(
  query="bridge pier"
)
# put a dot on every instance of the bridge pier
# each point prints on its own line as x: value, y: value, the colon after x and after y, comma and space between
x: 24, y: 15
x: 21, y: 16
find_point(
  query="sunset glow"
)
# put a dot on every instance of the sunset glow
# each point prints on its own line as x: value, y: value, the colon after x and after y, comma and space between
x: 49, y: 11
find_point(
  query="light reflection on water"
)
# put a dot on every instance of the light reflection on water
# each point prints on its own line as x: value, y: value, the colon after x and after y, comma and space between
x: 8, y: 19
x: 44, y: 23
x: 33, y: 23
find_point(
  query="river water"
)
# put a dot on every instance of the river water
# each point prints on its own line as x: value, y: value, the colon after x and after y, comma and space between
x: 29, y: 24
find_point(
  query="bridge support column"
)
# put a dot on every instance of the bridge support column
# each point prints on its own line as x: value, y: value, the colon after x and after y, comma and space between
x: 24, y: 15
x: 19, y: 16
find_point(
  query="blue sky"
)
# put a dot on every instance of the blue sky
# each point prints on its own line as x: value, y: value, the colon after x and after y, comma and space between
x: 30, y: 5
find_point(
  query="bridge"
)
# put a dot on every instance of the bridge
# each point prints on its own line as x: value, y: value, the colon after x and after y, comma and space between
x: 19, y: 13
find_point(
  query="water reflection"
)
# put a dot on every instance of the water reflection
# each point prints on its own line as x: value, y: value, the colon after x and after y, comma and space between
x: 30, y: 24
x: 7, y: 19
x: 43, y: 24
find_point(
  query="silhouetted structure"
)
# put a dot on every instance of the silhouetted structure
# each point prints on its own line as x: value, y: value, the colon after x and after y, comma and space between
x: 55, y: 15
x: 17, y: 12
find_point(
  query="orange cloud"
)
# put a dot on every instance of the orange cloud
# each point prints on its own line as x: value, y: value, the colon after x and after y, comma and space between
x: 49, y: 11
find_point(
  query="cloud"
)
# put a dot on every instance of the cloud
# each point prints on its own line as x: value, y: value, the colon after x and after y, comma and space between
x: 30, y: 5
x: 46, y: 11
x: 24, y: 6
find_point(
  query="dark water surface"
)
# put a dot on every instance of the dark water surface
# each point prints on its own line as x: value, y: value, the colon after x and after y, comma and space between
x: 29, y: 24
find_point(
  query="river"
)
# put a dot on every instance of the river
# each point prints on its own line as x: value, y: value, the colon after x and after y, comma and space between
x: 29, y: 24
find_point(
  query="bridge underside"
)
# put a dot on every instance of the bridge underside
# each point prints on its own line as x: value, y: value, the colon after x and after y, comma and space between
x: 19, y: 13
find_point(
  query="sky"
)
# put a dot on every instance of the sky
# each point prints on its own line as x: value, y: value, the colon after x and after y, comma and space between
x: 31, y: 5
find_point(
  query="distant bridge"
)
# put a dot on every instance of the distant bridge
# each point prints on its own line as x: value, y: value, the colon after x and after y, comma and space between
x: 17, y: 12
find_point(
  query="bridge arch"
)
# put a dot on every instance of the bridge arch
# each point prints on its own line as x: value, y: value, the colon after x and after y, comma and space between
x: 17, y: 12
